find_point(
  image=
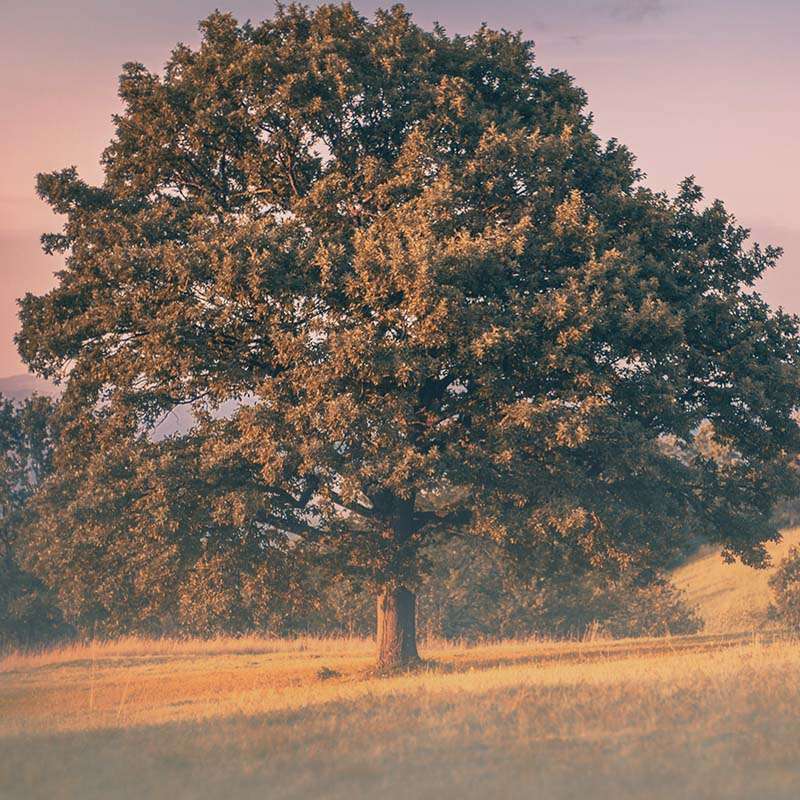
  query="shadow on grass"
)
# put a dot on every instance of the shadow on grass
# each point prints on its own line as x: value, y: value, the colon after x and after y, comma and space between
x: 582, y: 652
x: 488, y: 744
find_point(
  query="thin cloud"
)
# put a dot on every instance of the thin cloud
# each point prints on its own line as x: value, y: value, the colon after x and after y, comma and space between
x: 635, y: 10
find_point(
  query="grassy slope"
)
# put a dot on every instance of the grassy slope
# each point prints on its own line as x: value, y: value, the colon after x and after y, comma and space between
x: 698, y: 717
x: 731, y: 597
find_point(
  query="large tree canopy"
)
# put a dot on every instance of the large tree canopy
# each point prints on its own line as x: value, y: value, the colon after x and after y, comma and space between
x: 448, y: 304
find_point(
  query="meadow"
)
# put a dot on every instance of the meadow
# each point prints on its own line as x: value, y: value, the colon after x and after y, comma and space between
x: 695, y: 717
x: 713, y: 715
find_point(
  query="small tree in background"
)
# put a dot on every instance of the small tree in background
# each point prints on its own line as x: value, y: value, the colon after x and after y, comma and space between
x: 472, y: 593
x: 785, y: 585
x: 28, y: 612
x: 450, y: 306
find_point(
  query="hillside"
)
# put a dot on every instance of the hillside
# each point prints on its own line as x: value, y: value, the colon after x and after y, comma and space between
x: 18, y: 387
x: 731, y: 597
x: 695, y: 717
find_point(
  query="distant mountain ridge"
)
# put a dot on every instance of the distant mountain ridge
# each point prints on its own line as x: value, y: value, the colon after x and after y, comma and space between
x: 179, y: 420
x: 18, y: 387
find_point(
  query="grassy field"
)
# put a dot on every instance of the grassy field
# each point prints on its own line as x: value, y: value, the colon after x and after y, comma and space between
x: 694, y: 717
x: 709, y: 716
x: 731, y: 597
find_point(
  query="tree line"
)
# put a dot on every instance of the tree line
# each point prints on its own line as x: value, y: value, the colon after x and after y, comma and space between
x: 52, y: 592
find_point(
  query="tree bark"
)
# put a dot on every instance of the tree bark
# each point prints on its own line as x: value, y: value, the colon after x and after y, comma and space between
x: 397, y: 628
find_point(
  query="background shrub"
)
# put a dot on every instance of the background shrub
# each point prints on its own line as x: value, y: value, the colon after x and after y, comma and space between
x: 785, y: 585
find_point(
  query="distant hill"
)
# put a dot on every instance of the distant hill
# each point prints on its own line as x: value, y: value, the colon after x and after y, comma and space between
x: 731, y: 597
x: 179, y: 420
x: 18, y: 387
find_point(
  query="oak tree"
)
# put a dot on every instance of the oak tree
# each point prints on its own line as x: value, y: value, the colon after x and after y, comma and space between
x: 443, y: 304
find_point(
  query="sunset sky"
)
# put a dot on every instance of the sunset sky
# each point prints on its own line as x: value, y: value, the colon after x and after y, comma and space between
x: 703, y: 87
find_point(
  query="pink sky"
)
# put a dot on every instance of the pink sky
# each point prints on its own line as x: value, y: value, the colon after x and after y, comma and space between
x: 709, y: 88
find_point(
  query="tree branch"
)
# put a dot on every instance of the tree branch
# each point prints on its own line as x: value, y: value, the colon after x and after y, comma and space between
x: 459, y: 516
x: 296, y: 527
x: 355, y: 508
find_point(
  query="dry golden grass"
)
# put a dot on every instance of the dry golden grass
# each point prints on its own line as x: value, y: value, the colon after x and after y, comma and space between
x: 731, y: 597
x: 689, y: 717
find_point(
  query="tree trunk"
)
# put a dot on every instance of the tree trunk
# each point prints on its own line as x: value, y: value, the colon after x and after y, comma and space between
x: 397, y: 628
